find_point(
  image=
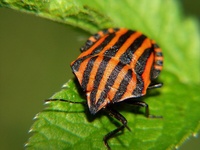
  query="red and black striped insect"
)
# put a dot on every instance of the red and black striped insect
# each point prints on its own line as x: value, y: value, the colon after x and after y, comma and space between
x: 116, y: 65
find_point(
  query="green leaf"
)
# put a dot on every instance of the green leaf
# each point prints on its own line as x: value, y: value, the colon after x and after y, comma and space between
x: 65, y: 11
x: 70, y: 126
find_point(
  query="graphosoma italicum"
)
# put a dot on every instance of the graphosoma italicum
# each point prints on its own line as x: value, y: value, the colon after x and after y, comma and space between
x: 116, y: 65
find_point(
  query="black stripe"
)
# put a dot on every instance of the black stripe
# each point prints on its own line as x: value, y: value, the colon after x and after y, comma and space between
x: 110, y: 81
x: 107, y: 40
x: 139, y: 87
x: 139, y: 69
x: 106, y: 31
x: 123, y: 86
x: 98, y: 78
x: 159, y: 62
x: 87, y: 71
x: 113, y: 50
x: 156, y: 45
x: 141, y: 63
x: 96, y: 36
x: 75, y: 66
x: 159, y: 54
x: 88, y: 44
x: 126, y: 57
x: 154, y: 73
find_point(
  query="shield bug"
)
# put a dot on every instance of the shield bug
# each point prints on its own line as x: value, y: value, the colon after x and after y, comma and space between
x: 117, y: 64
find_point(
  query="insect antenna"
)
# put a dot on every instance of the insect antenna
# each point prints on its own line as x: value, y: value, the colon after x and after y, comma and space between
x: 64, y: 100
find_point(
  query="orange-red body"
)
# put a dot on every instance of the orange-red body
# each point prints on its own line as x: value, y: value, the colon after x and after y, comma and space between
x: 116, y: 64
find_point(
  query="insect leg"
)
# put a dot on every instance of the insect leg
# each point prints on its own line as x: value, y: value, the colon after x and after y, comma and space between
x: 118, y: 116
x: 146, y: 106
x: 155, y: 85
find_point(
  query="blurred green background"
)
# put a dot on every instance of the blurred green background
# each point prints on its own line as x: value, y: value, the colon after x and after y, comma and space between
x: 35, y: 54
